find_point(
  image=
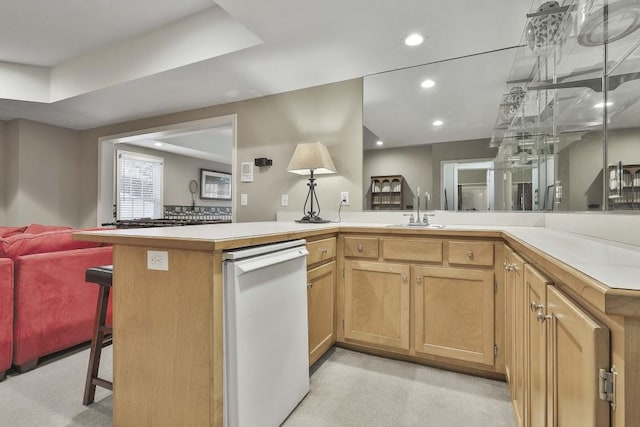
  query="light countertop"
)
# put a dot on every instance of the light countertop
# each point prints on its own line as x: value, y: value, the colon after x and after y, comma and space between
x: 614, y: 265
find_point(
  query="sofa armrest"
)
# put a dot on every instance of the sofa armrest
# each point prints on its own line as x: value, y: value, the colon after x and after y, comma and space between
x: 54, y: 306
x: 6, y: 314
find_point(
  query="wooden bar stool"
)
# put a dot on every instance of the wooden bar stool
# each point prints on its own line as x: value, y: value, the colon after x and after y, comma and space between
x: 102, y: 337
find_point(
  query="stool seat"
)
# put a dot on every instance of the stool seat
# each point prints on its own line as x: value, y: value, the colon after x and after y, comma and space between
x: 102, y: 275
x: 102, y: 333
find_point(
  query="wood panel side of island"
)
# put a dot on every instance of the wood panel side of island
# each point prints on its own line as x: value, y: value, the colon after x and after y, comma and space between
x: 167, y: 339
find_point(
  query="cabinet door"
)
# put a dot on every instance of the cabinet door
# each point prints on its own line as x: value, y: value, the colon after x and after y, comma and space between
x: 320, y: 305
x: 376, y: 303
x: 515, y: 320
x: 578, y: 348
x: 454, y: 313
x: 536, y: 351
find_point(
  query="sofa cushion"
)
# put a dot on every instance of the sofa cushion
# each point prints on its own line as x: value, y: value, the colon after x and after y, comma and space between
x: 51, y: 241
x: 11, y: 231
x: 39, y: 228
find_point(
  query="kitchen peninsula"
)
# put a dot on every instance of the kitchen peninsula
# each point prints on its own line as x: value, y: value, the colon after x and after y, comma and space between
x: 521, y: 303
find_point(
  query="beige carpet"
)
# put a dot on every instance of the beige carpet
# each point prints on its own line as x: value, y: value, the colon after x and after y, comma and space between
x: 347, y: 389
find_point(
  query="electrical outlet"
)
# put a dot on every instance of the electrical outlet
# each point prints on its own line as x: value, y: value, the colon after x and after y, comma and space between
x: 344, y: 198
x: 158, y: 260
x: 284, y: 200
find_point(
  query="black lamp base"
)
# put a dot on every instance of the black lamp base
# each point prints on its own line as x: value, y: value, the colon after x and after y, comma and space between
x: 307, y: 219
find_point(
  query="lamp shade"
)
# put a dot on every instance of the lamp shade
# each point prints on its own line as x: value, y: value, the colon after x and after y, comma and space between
x: 311, y: 156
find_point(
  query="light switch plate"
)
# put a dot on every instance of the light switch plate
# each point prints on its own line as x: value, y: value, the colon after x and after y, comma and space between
x: 158, y: 260
x: 244, y: 199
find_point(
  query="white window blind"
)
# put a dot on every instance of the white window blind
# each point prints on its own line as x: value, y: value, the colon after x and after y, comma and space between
x: 139, y: 185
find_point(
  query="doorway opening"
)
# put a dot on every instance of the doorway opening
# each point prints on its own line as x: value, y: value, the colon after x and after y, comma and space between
x: 186, y: 149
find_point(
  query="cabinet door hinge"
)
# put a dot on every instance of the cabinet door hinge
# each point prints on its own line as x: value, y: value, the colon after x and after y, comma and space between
x: 343, y: 273
x: 342, y: 324
x: 495, y: 286
x: 495, y: 351
x: 607, y: 385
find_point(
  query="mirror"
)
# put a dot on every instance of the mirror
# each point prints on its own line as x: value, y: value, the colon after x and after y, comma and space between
x: 531, y: 128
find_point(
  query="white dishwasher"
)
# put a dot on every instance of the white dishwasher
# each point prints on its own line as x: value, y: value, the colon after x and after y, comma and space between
x: 265, y: 335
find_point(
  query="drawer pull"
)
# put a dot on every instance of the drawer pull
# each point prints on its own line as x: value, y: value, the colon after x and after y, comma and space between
x: 360, y: 248
x: 541, y: 316
x: 470, y: 254
x: 309, y: 285
x: 323, y: 250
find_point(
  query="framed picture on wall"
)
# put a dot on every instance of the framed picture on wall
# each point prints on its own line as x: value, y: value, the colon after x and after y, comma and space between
x: 215, y: 185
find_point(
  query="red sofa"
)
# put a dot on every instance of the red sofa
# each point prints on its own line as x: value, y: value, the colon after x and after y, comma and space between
x: 42, y: 270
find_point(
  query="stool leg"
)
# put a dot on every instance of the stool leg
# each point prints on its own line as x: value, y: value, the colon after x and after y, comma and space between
x: 96, y: 345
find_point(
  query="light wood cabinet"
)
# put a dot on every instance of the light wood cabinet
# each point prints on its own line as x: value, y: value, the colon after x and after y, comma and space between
x: 470, y: 253
x: 320, y: 305
x: 536, y: 348
x: 321, y: 296
x: 514, y: 330
x: 376, y: 303
x: 416, y: 250
x: 565, y: 349
x: 454, y: 313
x: 578, y: 347
x: 321, y: 250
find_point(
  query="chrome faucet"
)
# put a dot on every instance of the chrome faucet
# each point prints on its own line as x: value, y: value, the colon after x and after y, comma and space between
x: 418, y: 204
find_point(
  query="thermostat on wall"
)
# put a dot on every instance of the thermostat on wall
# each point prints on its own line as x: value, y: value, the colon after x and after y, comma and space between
x: 246, y: 172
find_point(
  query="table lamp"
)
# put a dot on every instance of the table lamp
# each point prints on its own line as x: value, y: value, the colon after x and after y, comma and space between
x: 311, y: 158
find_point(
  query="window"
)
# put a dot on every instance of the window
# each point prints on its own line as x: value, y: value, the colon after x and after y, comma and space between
x: 139, y: 186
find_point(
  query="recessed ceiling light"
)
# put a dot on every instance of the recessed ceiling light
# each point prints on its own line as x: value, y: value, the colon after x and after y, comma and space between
x: 601, y: 104
x: 438, y: 123
x: 379, y: 143
x: 414, y: 39
x: 427, y: 83
x: 158, y: 144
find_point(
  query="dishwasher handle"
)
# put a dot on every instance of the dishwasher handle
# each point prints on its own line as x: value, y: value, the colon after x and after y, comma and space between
x: 260, y: 262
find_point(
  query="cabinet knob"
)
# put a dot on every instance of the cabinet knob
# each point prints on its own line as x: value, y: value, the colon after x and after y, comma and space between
x: 508, y: 267
x: 360, y: 248
x: 404, y: 277
x: 533, y: 306
x: 470, y: 254
x: 309, y: 285
x: 541, y: 316
x: 419, y: 281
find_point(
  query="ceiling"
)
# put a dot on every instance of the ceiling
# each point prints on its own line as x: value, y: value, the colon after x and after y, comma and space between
x: 87, y: 63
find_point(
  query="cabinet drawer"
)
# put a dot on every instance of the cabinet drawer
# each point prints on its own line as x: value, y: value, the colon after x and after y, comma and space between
x: 421, y: 250
x: 363, y: 247
x: 470, y: 253
x: 321, y: 250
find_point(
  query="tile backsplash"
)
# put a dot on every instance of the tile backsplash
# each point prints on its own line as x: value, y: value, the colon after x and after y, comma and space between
x: 197, y: 212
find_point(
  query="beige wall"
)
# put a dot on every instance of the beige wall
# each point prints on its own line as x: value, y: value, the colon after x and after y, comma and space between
x: 3, y: 171
x: 271, y: 127
x: 457, y: 150
x: 413, y: 163
x: 178, y: 172
x: 584, y: 174
x: 42, y: 175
